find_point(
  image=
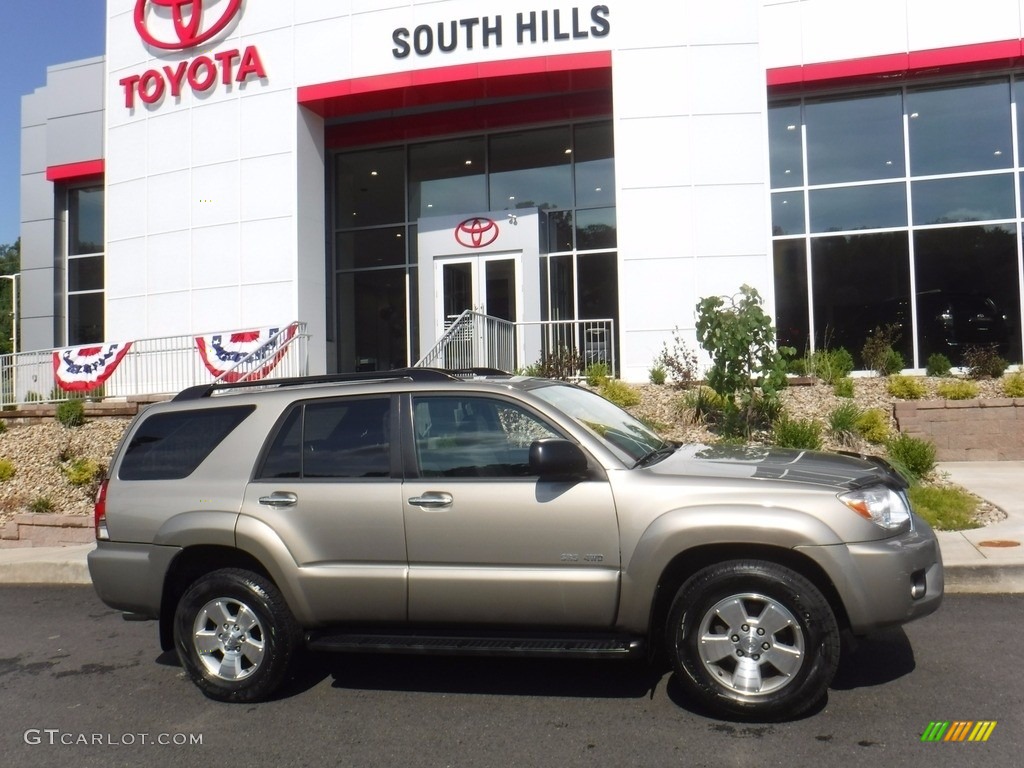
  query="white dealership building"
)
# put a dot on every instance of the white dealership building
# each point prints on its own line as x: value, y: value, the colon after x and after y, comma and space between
x: 372, y: 167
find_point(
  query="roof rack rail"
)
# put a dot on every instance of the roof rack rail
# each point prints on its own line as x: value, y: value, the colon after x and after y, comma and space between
x: 413, y: 374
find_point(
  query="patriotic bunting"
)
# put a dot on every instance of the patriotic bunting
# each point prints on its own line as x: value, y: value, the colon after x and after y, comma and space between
x: 80, y: 369
x: 221, y: 352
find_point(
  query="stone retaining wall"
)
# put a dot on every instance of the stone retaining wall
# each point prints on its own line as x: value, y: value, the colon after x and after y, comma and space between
x: 46, y: 530
x: 966, y: 430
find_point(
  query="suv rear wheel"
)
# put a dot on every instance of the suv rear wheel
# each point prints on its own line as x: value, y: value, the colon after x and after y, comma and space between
x: 235, y: 635
x: 754, y: 639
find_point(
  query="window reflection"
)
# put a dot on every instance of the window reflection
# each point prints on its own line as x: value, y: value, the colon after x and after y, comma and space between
x: 855, y: 139
x: 369, y: 187
x: 531, y: 169
x: 790, y: 260
x: 447, y: 177
x: 960, y: 128
x: 788, y: 213
x: 870, y: 207
x: 969, y: 198
x: 594, y: 165
x: 786, y: 155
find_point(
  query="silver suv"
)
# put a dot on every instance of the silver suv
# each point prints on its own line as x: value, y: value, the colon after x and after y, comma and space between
x: 419, y: 511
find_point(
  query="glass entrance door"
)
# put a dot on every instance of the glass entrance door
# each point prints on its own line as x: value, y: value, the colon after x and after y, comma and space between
x: 486, y: 284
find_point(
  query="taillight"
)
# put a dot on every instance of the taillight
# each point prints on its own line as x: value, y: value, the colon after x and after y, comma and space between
x: 99, y: 513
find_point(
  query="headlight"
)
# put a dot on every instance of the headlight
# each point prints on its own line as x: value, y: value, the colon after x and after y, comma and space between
x: 879, y: 504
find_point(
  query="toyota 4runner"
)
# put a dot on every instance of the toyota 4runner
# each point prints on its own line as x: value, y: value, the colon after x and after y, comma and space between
x: 420, y: 511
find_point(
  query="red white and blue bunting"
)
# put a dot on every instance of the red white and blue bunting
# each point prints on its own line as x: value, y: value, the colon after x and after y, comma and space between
x: 80, y: 369
x: 222, y: 352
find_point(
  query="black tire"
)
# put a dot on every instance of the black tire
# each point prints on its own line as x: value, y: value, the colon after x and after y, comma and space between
x: 235, y: 635
x: 753, y: 639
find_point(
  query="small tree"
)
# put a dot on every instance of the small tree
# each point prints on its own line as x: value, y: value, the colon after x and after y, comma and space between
x: 747, y: 369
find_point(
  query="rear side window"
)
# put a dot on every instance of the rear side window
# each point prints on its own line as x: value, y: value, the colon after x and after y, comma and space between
x: 169, y: 446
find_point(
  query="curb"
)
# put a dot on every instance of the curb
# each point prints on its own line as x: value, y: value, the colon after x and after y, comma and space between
x: 988, y: 579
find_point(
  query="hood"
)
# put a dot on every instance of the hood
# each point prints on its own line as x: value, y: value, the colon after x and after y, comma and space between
x: 840, y: 471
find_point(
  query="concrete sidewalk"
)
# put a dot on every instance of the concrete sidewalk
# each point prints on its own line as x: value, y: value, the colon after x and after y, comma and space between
x: 989, y: 559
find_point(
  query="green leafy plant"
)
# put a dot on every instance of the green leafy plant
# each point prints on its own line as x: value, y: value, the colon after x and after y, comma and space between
x: 596, y: 374
x: 706, y: 405
x: 831, y: 365
x: 740, y: 338
x: 984, y: 362
x: 873, y: 425
x: 1013, y: 385
x: 879, y: 353
x: 7, y: 470
x: 906, y: 388
x: 956, y: 389
x: 41, y: 505
x: 70, y: 413
x: 842, y: 423
x: 3, y: 426
x: 658, y: 375
x: 945, y: 509
x: 83, y: 471
x: 563, y: 363
x: 804, y: 434
x: 620, y: 393
x: 938, y: 365
x: 913, y: 456
x: 843, y: 388
x: 679, y: 362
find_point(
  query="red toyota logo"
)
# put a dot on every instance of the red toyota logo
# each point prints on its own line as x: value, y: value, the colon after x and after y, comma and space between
x: 186, y: 17
x: 476, y: 233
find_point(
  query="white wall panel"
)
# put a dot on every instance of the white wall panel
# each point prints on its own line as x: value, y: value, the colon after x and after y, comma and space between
x: 947, y: 23
x: 653, y: 152
x: 163, y: 144
x: 266, y: 124
x: 710, y: 23
x: 126, y: 212
x: 169, y: 264
x: 725, y: 79
x: 167, y: 202
x: 131, y: 281
x: 267, y: 248
x: 216, y: 257
x: 268, y: 187
x: 850, y: 30
x: 214, y: 198
x: 653, y: 83
x: 216, y: 128
x: 728, y: 149
x: 215, y: 309
x: 733, y: 220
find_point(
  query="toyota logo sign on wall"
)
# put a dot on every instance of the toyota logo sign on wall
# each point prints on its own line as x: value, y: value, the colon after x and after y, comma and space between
x: 186, y: 28
x: 476, y: 233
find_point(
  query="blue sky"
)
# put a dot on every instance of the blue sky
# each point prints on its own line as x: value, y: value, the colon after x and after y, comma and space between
x: 35, y: 34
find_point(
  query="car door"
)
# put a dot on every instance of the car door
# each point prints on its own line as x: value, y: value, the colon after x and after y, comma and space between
x: 328, y: 490
x: 489, y: 543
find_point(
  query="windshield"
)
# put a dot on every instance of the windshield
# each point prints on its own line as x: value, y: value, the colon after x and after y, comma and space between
x: 629, y: 439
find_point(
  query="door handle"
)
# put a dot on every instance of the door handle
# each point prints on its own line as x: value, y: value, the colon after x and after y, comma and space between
x: 279, y: 499
x: 432, y: 500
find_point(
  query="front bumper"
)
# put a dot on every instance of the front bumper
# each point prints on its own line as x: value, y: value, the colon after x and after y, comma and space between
x: 130, y: 577
x: 887, y: 582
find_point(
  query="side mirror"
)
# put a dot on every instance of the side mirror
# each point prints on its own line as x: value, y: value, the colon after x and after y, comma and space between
x: 552, y: 456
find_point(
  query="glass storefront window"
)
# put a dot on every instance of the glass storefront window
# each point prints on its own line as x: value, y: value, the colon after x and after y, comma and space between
x: 861, y: 282
x: 85, y: 220
x: 370, y: 248
x: 85, y: 273
x: 594, y: 165
x: 786, y: 143
x: 960, y: 128
x: 855, y: 139
x: 531, y: 169
x: 791, y: 317
x: 595, y: 229
x: 967, y: 198
x: 447, y: 177
x: 874, y: 206
x: 371, y: 320
x: 788, y: 213
x: 598, y: 286
x: 967, y: 291
x: 370, y: 188
x: 84, y: 268
x: 85, y: 318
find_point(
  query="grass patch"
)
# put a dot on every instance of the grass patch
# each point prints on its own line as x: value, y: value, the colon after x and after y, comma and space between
x: 945, y: 509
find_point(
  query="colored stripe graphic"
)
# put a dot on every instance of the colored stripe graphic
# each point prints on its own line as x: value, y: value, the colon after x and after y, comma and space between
x: 958, y: 730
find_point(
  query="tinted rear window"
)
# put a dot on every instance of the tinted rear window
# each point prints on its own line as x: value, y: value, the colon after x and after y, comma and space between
x: 169, y: 446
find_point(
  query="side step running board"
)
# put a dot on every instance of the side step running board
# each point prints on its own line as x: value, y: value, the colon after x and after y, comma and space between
x: 486, y: 645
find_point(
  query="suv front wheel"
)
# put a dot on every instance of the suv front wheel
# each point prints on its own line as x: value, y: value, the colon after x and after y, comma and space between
x: 753, y: 639
x: 235, y: 635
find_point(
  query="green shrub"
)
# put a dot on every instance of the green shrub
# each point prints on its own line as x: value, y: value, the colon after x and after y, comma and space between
x: 658, y: 375
x: 804, y: 434
x: 33, y: 397
x: 40, y: 505
x: 745, y: 364
x: 843, y: 387
x: 938, y: 365
x: 71, y: 413
x: 873, y: 425
x: 906, y: 388
x: 956, y: 389
x: 831, y: 365
x: 620, y: 393
x: 6, y: 470
x: 798, y: 366
x: 3, y: 426
x: 878, y: 351
x: 984, y: 363
x: 83, y: 471
x: 596, y: 374
x: 945, y: 509
x: 1013, y: 385
x: 842, y: 423
x: 913, y: 456
x: 706, y: 405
